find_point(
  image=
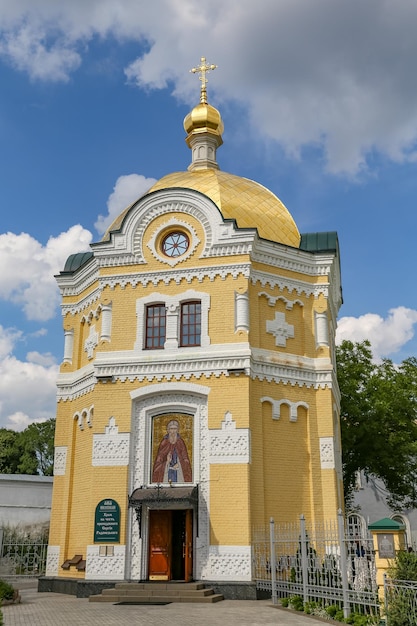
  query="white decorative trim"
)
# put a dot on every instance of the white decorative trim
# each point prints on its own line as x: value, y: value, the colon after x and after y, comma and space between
x: 84, y: 415
x: 72, y: 385
x: 232, y: 563
x: 291, y: 284
x: 219, y: 360
x: 229, y: 444
x: 105, y: 567
x: 272, y: 300
x: 321, y: 329
x: 151, y: 390
x: 280, y: 329
x: 293, y: 259
x: 293, y: 369
x: 72, y: 284
x: 173, y: 364
x: 241, y: 311
x: 112, y: 448
x: 148, y: 402
x: 91, y: 342
x: 106, y: 320
x: 203, y: 150
x: 172, y: 261
x: 128, y: 243
x: 52, y: 561
x: 276, y: 407
x: 68, y: 345
x: 173, y: 305
x: 60, y: 460
x: 84, y: 303
x: 176, y: 276
x: 327, y: 453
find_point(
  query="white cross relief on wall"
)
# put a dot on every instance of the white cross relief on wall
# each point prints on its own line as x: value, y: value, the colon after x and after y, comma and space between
x: 91, y: 342
x: 280, y: 329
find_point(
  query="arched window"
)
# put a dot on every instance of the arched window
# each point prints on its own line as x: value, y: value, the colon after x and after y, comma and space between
x: 401, y: 519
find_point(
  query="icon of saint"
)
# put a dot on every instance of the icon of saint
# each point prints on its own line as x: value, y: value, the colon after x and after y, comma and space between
x: 172, y: 463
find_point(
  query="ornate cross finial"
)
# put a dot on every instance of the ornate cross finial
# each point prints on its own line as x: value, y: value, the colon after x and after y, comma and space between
x: 203, y: 69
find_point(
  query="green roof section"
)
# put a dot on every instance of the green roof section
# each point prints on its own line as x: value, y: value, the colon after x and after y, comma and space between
x: 386, y: 524
x: 75, y: 261
x: 320, y: 242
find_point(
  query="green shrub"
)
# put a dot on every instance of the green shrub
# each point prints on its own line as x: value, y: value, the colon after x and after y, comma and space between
x: 6, y: 591
x: 332, y: 610
x: 285, y: 602
x: 297, y: 603
x: 400, y: 604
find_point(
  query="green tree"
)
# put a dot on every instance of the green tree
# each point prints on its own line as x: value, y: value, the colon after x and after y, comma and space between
x: 30, y: 451
x: 10, y: 452
x: 378, y: 421
x: 37, y: 445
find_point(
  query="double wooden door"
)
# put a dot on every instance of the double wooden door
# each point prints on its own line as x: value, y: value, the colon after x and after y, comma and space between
x: 171, y: 544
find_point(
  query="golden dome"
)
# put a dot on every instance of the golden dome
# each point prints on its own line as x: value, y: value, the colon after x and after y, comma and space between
x: 203, y: 118
x: 250, y: 204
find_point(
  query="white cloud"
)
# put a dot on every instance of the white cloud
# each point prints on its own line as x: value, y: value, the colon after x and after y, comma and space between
x: 331, y: 74
x: 26, y: 49
x: 8, y: 339
x: 28, y: 268
x: 386, y: 336
x: 126, y: 190
x: 27, y: 388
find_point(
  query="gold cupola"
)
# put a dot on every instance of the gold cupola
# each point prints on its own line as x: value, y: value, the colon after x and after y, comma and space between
x: 204, y: 126
x: 246, y: 202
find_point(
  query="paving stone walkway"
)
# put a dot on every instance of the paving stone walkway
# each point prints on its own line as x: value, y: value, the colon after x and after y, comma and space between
x: 52, y: 609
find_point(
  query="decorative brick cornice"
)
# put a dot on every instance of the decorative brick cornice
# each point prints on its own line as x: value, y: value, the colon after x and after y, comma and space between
x: 292, y: 259
x: 176, y: 275
x: 291, y: 284
x: 75, y: 384
x: 80, y: 281
x: 154, y: 278
x: 272, y: 366
x: 172, y: 368
x: 292, y: 376
x: 83, y: 304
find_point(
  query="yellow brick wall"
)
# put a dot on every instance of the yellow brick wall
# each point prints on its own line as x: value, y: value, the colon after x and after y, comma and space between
x: 230, y: 516
x: 284, y: 477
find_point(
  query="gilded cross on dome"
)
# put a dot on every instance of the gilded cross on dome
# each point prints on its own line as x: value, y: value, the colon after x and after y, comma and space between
x: 203, y: 69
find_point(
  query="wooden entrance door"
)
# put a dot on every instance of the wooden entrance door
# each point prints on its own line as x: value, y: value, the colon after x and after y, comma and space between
x: 159, y: 545
x: 171, y: 545
x: 188, y: 545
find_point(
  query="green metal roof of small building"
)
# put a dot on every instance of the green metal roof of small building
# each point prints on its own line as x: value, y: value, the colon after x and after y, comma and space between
x: 386, y: 524
x: 75, y: 261
x: 320, y: 242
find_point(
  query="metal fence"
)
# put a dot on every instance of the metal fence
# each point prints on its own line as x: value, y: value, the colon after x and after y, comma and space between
x: 400, y: 602
x: 322, y: 563
x: 22, y: 554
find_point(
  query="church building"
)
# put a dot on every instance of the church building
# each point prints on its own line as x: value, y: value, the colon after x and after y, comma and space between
x: 197, y: 397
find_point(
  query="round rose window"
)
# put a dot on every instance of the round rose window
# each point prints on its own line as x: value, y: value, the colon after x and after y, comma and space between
x: 175, y: 244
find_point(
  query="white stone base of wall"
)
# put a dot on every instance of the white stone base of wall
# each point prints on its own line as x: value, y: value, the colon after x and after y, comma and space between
x: 228, y: 563
x: 105, y: 567
x: 52, y: 561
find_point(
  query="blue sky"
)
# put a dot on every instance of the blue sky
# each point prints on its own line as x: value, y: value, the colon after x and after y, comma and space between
x: 319, y: 104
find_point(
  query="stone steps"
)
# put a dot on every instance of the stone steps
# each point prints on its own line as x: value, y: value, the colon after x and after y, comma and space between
x: 157, y: 592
